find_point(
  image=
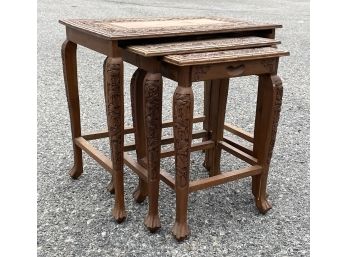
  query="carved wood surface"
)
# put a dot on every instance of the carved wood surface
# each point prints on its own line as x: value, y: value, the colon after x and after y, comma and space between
x: 278, y: 87
x: 126, y: 28
x: 153, y: 124
x: 113, y: 80
x: 225, y: 56
x: 153, y: 121
x: 201, y: 46
x: 182, y: 114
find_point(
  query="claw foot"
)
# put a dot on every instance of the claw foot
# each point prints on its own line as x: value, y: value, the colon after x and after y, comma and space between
x: 139, y: 195
x: 152, y: 222
x: 180, y: 231
x: 263, y: 205
x: 76, y: 171
x: 119, y: 215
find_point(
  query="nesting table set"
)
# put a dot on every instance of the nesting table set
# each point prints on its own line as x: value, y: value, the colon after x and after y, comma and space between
x: 186, y: 50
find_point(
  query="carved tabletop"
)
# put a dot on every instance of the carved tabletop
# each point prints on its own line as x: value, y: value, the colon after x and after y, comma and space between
x: 133, y: 28
x: 225, y: 56
x: 195, y: 46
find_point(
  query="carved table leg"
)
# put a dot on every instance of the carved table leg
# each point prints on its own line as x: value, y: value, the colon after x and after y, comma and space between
x: 153, y: 129
x: 269, y: 100
x: 215, y: 115
x: 182, y: 117
x: 206, y: 123
x: 113, y: 85
x: 72, y: 94
x: 137, y: 90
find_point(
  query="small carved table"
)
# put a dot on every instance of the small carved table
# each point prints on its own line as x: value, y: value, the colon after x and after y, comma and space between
x: 252, y: 56
x: 112, y: 38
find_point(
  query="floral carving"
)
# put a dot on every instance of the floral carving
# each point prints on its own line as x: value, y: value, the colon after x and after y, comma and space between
x: 153, y: 122
x: 113, y: 80
x: 114, y: 109
x: 182, y: 113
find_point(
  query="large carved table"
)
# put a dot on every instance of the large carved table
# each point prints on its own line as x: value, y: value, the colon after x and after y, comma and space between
x: 112, y: 38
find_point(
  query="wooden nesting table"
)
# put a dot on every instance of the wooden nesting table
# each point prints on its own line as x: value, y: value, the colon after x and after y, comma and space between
x: 173, y: 47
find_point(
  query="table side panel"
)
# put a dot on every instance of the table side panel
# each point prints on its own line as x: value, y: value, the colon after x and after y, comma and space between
x: 234, y: 69
x: 100, y: 45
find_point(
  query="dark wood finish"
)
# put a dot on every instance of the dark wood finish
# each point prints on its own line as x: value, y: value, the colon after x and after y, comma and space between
x: 113, y: 84
x: 72, y: 95
x: 137, y: 90
x: 269, y: 100
x: 153, y: 119
x: 206, y: 45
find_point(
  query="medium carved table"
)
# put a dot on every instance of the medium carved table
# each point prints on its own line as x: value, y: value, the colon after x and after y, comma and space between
x: 112, y: 38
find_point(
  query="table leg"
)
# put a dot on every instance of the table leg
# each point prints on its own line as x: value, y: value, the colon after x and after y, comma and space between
x: 137, y: 91
x: 182, y: 117
x: 215, y: 119
x: 72, y: 94
x: 269, y: 100
x: 153, y: 85
x: 113, y: 86
x: 207, y: 124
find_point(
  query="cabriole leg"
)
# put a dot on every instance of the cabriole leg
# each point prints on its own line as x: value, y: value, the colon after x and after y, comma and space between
x: 182, y: 117
x: 153, y: 129
x: 113, y: 86
x: 137, y: 100
x: 269, y: 100
x: 72, y: 94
